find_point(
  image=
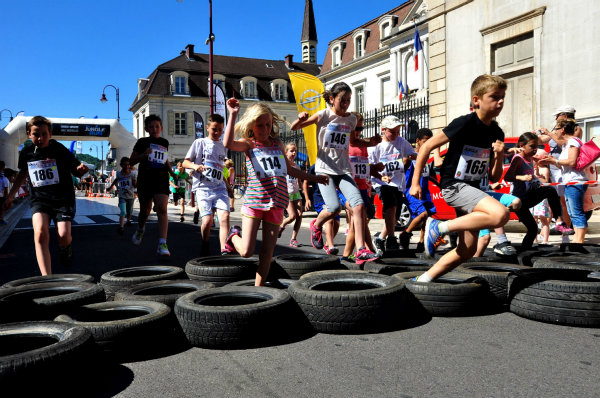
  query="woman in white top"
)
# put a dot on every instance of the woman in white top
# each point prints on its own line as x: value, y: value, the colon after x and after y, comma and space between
x: 574, y: 194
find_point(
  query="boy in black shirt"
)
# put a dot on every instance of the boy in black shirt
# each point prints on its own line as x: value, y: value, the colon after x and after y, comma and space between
x: 152, y: 181
x: 475, y: 148
x: 49, y: 166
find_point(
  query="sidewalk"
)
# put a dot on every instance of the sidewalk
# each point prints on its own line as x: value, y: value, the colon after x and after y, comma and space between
x: 12, y: 217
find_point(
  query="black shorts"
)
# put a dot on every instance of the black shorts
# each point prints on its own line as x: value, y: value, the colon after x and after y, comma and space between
x: 390, y: 196
x: 177, y: 196
x: 65, y: 212
x: 147, y: 188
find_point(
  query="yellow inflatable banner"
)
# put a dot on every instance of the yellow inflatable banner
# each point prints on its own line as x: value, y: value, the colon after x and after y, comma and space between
x: 308, y: 91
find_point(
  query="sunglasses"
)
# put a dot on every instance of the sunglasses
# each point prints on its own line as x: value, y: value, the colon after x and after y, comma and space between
x: 359, y: 129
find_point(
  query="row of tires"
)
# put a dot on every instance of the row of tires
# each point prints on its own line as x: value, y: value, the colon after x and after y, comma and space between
x: 332, y: 301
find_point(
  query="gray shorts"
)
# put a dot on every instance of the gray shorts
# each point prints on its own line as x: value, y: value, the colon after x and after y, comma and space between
x: 463, y: 197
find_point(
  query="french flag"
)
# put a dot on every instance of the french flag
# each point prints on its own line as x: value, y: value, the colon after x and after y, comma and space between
x: 418, y: 47
x: 401, y: 91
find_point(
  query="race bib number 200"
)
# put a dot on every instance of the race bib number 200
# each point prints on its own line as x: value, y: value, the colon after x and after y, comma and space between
x: 43, y: 172
x: 473, y: 163
x: 268, y: 162
x: 213, y: 171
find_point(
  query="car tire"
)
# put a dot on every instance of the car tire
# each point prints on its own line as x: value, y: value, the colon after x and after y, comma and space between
x: 120, y: 278
x: 560, y: 296
x: 232, y: 316
x: 44, y: 301
x: 166, y: 292
x: 42, y: 352
x: 50, y: 278
x: 279, y: 283
x: 342, y: 302
x: 585, y: 263
x: 391, y: 266
x: 452, y: 294
x: 221, y: 270
x: 496, y: 274
x: 296, y: 265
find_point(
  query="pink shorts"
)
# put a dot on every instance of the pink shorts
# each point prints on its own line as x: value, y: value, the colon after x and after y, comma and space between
x: 273, y: 216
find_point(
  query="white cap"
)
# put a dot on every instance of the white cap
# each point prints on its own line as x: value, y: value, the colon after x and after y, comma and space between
x: 565, y: 109
x: 389, y: 122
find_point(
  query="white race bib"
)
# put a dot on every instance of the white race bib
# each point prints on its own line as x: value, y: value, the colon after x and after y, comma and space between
x: 425, y: 172
x: 159, y: 153
x: 337, y: 136
x: 473, y: 163
x: 213, y: 171
x: 43, y: 172
x: 392, y: 165
x: 181, y: 182
x: 360, y: 166
x: 268, y: 162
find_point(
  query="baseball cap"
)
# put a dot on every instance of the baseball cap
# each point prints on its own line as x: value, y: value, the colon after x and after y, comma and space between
x: 564, y: 109
x: 389, y: 122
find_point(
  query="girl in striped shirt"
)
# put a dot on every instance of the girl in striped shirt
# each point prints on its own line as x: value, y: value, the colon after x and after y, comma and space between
x: 266, y: 195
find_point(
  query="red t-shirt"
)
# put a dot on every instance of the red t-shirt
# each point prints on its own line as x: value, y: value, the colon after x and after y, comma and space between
x: 358, y: 151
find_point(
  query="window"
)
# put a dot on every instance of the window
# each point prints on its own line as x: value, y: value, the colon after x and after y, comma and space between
x: 179, y: 83
x: 360, y: 39
x: 385, y: 25
x: 590, y: 127
x: 279, y: 90
x: 249, y: 88
x: 336, y: 53
x: 387, y: 95
x: 180, y: 125
x: 313, y: 54
x: 360, y: 99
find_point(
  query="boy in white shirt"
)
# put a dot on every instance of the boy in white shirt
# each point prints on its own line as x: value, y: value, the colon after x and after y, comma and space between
x: 207, y: 157
x: 393, y: 151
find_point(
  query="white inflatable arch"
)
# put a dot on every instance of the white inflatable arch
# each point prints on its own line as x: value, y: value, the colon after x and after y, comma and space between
x: 15, y: 133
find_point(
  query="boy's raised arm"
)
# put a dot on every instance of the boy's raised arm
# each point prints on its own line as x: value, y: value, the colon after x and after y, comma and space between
x: 434, y: 142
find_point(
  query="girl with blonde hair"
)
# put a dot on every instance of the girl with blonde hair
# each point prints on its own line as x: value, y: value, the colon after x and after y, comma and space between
x: 294, y: 208
x: 266, y: 195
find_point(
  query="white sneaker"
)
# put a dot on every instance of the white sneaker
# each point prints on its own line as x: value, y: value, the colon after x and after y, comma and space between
x: 163, y: 250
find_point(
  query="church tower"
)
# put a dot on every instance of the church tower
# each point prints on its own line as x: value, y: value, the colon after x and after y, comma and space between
x: 309, y: 35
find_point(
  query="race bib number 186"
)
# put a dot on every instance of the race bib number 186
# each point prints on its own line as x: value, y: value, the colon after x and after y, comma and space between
x: 43, y: 172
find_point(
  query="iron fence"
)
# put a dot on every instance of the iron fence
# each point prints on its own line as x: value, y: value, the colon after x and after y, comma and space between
x: 414, y: 112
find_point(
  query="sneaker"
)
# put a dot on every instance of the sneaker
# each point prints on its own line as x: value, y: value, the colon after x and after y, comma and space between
x: 233, y: 231
x: 163, y: 250
x: 563, y: 229
x: 420, y: 247
x: 137, y: 237
x: 281, y: 229
x: 66, y: 255
x: 294, y: 243
x: 196, y: 216
x: 379, y: 244
x: 181, y: 219
x: 405, y: 239
x: 391, y: 243
x: 364, y: 255
x: 316, y: 236
x: 225, y: 253
x: 432, y: 237
x: 505, y: 249
x: 120, y: 230
x: 331, y: 250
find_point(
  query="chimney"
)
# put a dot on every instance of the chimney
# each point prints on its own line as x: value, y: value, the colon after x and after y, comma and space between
x: 289, y: 61
x: 189, y: 52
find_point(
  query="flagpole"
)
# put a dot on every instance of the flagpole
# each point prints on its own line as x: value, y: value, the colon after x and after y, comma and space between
x: 424, y: 57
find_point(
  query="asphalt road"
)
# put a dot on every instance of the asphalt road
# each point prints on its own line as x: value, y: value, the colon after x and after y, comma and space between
x: 499, y: 355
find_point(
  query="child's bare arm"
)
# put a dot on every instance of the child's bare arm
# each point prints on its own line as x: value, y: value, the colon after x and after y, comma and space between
x: 233, y: 106
x: 19, y: 180
x: 434, y: 142
x: 498, y: 161
x: 304, y: 120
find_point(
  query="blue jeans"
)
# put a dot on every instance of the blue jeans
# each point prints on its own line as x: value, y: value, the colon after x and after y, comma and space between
x: 574, y: 195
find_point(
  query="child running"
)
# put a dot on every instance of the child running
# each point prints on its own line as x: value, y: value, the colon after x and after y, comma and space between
x: 334, y: 125
x: 178, y: 184
x: 476, y: 144
x: 294, y: 208
x: 420, y: 209
x: 153, y: 181
x: 206, y: 157
x: 49, y: 166
x: 126, y: 182
x: 266, y: 196
x: 527, y: 187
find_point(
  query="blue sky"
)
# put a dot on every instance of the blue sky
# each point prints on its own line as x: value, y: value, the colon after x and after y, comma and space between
x: 57, y: 56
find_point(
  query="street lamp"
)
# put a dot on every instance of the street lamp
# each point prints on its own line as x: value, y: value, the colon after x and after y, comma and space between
x: 209, y: 41
x: 7, y: 110
x: 103, y: 99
